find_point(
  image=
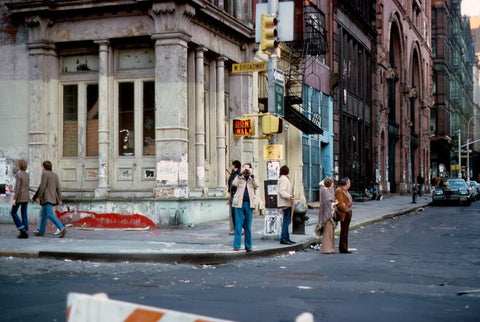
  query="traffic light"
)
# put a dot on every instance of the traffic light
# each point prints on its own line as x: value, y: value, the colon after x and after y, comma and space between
x: 268, y: 31
x: 271, y: 124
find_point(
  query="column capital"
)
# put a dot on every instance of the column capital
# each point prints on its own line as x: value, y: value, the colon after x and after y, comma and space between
x: 169, y: 16
x: 221, y: 59
x: 201, y: 49
x: 102, y: 44
x: 38, y: 27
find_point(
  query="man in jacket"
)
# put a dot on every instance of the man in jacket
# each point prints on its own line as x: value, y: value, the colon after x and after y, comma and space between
x: 49, y: 195
x: 243, y: 203
x: 285, y: 200
x: 21, y: 197
x: 344, y: 213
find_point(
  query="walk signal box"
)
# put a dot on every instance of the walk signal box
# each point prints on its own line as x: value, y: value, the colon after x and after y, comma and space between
x: 243, y: 127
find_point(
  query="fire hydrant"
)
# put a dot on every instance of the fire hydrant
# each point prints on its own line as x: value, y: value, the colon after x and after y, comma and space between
x: 299, y: 219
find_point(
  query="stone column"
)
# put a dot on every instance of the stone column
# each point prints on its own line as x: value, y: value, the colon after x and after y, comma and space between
x: 103, y: 122
x: 42, y: 66
x: 171, y: 114
x: 172, y: 24
x: 221, y: 137
x: 200, y: 118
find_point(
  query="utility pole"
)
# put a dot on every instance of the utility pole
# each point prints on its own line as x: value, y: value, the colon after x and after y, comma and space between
x: 468, y: 144
x: 459, y: 154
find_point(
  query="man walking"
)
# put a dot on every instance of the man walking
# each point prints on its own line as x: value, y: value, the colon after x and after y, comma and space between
x: 21, y: 197
x: 49, y: 195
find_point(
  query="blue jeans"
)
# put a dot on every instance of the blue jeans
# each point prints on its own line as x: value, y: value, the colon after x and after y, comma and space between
x: 243, y: 219
x: 47, y: 211
x: 21, y: 224
x: 287, y: 213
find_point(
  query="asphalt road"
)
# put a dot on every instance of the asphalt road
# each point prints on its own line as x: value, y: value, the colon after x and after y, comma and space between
x: 410, y: 268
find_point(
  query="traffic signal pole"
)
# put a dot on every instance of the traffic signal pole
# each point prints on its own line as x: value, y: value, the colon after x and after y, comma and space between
x: 271, y: 67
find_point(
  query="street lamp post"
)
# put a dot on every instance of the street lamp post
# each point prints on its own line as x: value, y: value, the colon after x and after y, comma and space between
x: 468, y: 145
x: 459, y: 155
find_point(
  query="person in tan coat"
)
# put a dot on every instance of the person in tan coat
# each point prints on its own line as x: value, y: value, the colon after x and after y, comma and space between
x: 21, y: 197
x: 285, y: 200
x: 344, y: 213
x: 49, y: 195
x: 243, y: 203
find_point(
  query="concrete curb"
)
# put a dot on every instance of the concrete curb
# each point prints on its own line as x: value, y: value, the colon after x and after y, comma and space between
x: 388, y: 216
x: 199, y: 258
x: 210, y: 258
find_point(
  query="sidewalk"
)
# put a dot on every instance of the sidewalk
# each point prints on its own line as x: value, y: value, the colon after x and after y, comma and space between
x: 203, y: 244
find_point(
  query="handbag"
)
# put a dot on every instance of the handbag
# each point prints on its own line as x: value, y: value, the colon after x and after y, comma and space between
x: 318, y: 230
x: 339, y: 215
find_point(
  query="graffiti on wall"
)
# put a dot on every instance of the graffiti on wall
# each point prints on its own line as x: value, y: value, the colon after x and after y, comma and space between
x: 89, y: 219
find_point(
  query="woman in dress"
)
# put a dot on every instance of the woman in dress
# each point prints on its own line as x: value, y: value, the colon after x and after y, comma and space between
x: 326, y: 215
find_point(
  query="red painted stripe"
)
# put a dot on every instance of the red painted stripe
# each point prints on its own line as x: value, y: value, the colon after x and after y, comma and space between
x: 89, y: 219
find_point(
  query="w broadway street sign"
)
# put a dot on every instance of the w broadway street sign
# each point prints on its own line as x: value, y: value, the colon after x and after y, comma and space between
x: 276, y: 93
x: 249, y: 67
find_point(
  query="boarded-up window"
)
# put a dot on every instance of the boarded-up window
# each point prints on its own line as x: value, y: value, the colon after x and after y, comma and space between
x: 70, y: 121
x: 92, y: 120
x: 149, y: 118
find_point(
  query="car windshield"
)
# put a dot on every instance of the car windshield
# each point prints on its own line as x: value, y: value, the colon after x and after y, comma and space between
x: 455, y: 184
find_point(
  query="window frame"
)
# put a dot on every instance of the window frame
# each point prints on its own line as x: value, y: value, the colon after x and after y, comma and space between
x: 137, y: 114
x: 81, y: 117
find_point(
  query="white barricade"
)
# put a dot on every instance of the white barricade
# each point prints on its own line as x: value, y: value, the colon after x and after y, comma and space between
x: 98, y: 307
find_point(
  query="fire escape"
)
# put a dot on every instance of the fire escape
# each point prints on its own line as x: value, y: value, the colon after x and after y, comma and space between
x: 298, y: 60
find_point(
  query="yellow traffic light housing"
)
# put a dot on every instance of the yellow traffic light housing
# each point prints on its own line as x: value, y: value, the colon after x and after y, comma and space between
x: 271, y: 124
x: 268, y: 31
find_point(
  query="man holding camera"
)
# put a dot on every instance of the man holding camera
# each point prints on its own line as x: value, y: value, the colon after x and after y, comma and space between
x: 243, y: 203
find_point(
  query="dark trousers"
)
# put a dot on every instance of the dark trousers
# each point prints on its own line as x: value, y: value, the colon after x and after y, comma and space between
x: 344, y: 227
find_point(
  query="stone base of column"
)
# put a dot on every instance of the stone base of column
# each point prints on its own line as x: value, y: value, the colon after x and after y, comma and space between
x: 403, y: 188
x: 101, y: 192
x: 170, y: 192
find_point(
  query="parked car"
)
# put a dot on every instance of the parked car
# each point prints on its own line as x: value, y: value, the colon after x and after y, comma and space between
x: 452, y: 190
x: 475, y: 189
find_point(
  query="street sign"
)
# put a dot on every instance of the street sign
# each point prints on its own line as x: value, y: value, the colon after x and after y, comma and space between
x: 278, y: 76
x: 279, y: 99
x: 276, y: 93
x: 249, y: 67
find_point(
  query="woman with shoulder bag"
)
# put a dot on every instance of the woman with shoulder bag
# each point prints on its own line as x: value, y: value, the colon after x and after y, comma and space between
x: 344, y: 213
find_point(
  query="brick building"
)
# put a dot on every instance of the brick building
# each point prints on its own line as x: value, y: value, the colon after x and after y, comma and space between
x: 453, y: 58
x: 404, y: 81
